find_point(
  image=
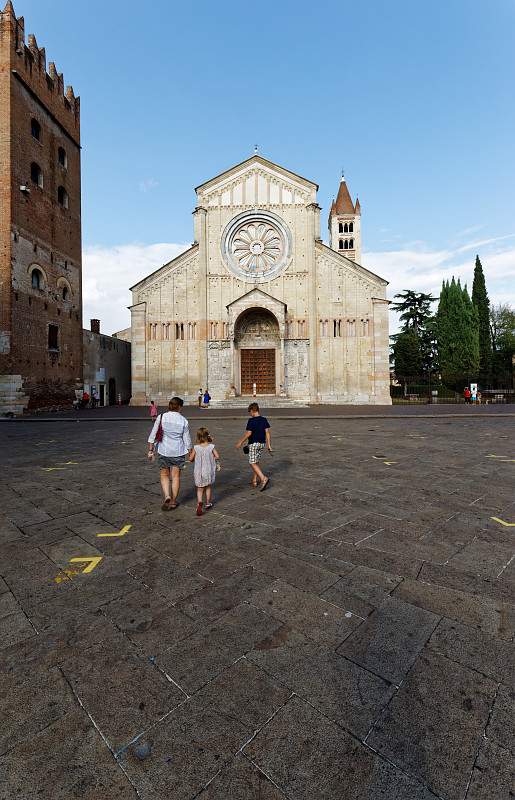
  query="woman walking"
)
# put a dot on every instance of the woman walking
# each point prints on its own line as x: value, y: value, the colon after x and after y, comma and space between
x: 172, y: 434
x: 207, y: 462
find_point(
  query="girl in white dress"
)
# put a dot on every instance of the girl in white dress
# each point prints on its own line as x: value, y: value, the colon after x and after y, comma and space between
x: 207, y: 462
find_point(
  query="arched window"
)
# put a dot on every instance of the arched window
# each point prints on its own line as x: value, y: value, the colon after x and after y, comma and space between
x: 351, y: 244
x: 36, y: 279
x: 346, y: 245
x: 36, y: 174
x: 65, y: 293
x: 62, y: 197
x: 351, y: 227
x: 35, y: 129
x: 345, y: 228
x: 62, y: 157
x: 340, y: 227
x: 340, y: 244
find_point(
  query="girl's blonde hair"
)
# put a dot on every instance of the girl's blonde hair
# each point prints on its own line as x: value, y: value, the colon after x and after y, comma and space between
x: 203, y: 436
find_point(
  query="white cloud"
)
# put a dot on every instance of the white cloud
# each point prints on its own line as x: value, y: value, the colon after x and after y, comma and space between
x: 147, y: 184
x: 108, y: 272
x: 423, y: 269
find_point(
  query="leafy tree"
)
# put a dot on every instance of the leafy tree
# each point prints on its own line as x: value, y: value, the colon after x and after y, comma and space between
x: 482, y: 305
x: 457, y: 335
x: 502, y: 331
x: 414, y: 309
x: 407, y: 355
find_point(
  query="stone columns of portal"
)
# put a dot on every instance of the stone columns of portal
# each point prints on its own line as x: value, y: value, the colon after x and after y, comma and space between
x: 139, y: 354
x: 282, y: 387
x: 380, y: 342
x: 200, y: 224
x: 313, y: 232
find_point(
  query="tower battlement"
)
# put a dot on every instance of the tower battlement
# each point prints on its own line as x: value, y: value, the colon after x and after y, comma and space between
x: 27, y: 62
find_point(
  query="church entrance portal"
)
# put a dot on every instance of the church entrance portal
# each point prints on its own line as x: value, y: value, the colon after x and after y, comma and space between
x: 257, y: 340
x: 258, y: 366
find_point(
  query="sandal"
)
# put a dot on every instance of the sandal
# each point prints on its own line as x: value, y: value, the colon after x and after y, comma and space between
x: 264, y: 485
x: 199, y: 509
x: 166, y: 504
x: 208, y: 506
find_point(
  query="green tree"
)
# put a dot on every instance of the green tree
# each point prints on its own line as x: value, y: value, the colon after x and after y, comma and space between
x: 407, y: 355
x: 457, y: 335
x: 414, y: 309
x: 482, y: 305
x: 502, y: 331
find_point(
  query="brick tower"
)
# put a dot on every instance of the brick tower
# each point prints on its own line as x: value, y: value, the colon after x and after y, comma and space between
x: 40, y: 226
x: 345, y: 224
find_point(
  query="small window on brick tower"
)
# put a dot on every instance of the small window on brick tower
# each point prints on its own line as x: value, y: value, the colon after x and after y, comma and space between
x: 36, y: 279
x: 62, y: 197
x: 36, y: 174
x: 65, y: 293
x: 340, y: 227
x: 35, y: 129
x: 53, y: 342
x: 62, y: 157
x: 340, y: 244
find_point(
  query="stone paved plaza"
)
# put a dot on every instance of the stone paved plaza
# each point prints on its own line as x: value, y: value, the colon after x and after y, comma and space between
x: 347, y: 634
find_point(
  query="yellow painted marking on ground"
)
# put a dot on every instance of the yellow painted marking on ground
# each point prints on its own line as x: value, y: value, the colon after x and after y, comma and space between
x: 389, y: 463
x: 121, y: 532
x: 51, y: 469
x: 503, y: 522
x: 66, y: 575
x: 93, y: 561
x: 504, y: 458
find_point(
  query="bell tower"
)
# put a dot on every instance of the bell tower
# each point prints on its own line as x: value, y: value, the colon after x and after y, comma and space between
x: 345, y: 224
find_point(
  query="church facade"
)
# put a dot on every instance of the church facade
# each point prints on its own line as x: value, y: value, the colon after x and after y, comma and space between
x: 260, y: 303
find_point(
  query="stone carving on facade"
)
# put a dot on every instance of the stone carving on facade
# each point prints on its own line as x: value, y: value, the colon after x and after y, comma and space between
x: 256, y: 245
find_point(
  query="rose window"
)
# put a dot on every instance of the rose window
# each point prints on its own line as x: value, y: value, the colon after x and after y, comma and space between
x: 256, y: 245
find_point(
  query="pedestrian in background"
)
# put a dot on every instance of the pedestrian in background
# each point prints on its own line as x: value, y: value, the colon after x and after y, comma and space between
x: 467, y: 394
x: 172, y: 434
x: 200, y: 395
x: 256, y: 438
x: 207, y: 462
x: 207, y: 398
x: 153, y: 411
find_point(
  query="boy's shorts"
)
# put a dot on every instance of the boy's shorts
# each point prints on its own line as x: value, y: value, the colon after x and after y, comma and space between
x: 167, y: 462
x: 255, y: 451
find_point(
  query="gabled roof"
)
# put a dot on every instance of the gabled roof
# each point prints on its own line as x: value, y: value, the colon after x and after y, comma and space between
x: 257, y: 291
x: 165, y: 266
x: 263, y: 162
x: 353, y: 265
x: 343, y: 203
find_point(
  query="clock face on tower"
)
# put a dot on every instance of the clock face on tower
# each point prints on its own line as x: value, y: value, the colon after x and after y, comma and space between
x: 256, y: 245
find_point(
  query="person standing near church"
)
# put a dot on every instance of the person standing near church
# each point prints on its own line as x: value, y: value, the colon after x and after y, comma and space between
x: 200, y: 395
x: 172, y: 433
x: 255, y: 439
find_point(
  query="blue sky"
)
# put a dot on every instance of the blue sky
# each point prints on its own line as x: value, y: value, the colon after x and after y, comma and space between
x: 414, y: 100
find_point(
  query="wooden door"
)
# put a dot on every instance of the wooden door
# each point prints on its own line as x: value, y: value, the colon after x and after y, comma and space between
x: 258, y: 366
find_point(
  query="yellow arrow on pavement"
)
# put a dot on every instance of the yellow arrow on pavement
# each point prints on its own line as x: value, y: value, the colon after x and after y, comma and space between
x: 93, y: 561
x: 121, y: 532
x: 503, y: 522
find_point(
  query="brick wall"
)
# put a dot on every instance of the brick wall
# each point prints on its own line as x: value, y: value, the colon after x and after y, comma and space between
x: 37, y: 232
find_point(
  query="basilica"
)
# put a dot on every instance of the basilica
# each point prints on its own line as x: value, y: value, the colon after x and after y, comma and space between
x: 260, y: 304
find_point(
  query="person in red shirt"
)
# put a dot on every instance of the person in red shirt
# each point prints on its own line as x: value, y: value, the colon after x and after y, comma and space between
x: 467, y: 394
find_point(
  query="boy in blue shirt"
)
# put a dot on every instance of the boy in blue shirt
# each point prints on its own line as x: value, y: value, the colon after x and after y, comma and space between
x: 256, y: 438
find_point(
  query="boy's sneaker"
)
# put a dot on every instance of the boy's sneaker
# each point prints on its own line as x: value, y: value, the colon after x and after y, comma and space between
x: 199, y: 510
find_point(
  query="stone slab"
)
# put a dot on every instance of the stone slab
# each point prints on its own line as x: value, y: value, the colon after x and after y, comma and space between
x: 66, y: 761
x: 395, y: 563
x: 215, y: 600
x: 434, y: 725
x: 167, y: 579
x: 389, y: 642
x: 241, y: 780
x: 501, y: 725
x: 491, y: 616
x: 362, y: 590
x: 445, y: 575
x: 492, y: 776
x: 316, y: 618
x: 15, y: 628
x: 301, y: 574
x: 474, y: 649
x: 309, y: 756
x: 185, y: 751
x: 123, y: 694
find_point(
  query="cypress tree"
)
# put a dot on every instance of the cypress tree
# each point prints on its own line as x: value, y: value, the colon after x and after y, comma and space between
x: 457, y: 335
x: 482, y: 305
